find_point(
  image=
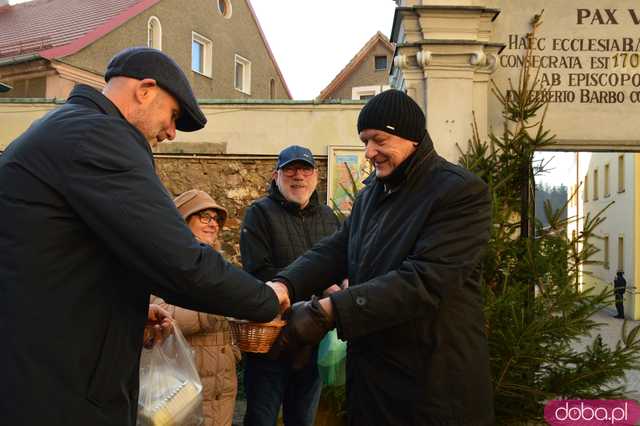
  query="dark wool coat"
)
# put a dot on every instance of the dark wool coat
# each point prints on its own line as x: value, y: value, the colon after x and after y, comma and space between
x: 275, y: 232
x: 88, y: 231
x: 413, y: 314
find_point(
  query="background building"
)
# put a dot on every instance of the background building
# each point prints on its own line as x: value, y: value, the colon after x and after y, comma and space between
x: 47, y: 46
x: 609, y: 180
x: 366, y: 75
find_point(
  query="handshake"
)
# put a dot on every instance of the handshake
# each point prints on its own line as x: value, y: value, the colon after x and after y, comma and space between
x: 307, y: 323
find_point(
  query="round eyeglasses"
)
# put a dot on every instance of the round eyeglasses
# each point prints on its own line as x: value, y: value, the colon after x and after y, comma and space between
x: 291, y: 171
x: 206, y: 218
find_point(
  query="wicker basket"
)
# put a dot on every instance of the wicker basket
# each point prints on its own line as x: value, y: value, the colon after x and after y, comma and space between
x: 253, y: 336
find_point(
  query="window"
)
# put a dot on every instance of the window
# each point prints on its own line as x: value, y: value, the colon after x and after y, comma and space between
x: 364, y: 92
x: 201, y: 53
x: 381, y: 63
x: 605, y: 249
x: 585, y: 193
x: 621, y: 173
x: 29, y: 88
x: 595, y: 184
x: 224, y: 7
x: 154, y: 33
x: 621, y: 253
x: 606, y: 180
x: 272, y: 89
x: 242, y: 80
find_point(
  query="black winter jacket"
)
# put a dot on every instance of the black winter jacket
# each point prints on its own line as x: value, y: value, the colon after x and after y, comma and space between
x: 275, y: 232
x: 88, y: 232
x: 413, y: 314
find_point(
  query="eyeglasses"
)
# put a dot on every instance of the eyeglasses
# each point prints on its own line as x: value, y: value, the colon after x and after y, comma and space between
x: 206, y: 218
x: 291, y: 171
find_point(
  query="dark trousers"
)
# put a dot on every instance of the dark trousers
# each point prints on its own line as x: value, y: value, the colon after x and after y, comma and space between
x: 271, y: 383
x: 619, y: 303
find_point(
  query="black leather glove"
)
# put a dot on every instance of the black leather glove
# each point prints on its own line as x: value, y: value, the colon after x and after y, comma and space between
x: 307, y: 324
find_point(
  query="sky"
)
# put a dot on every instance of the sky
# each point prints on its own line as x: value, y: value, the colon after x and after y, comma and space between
x: 312, y: 40
x: 558, y: 168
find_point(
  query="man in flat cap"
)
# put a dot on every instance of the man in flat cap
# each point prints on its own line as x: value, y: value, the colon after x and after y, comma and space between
x: 413, y: 312
x: 88, y: 232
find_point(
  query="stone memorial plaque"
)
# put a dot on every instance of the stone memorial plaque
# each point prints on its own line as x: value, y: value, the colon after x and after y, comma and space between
x: 588, y: 53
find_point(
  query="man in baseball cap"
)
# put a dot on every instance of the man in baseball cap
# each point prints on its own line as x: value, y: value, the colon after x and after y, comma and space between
x: 277, y: 229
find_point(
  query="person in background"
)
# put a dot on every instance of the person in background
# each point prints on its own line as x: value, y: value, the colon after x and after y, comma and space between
x: 619, y: 288
x: 208, y: 334
x: 275, y: 231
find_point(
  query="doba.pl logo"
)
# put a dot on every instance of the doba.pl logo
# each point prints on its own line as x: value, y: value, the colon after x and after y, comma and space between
x: 591, y: 412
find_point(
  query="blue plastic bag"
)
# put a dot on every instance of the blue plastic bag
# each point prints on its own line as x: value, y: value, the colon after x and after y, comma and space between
x: 332, y: 357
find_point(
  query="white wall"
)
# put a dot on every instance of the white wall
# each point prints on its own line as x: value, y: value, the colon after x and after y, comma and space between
x: 620, y: 217
x: 243, y: 128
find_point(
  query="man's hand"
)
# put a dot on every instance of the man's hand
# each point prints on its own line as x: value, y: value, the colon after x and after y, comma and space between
x: 336, y: 288
x: 330, y: 290
x: 159, y: 326
x: 282, y: 293
x: 307, y: 324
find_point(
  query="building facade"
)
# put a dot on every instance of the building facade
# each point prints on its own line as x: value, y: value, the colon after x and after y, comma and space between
x: 608, y: 184
x: 366, y: 75
x: 218, y: 43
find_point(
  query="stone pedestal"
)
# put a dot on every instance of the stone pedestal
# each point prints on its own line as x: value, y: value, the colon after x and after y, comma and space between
x: 444, y: 59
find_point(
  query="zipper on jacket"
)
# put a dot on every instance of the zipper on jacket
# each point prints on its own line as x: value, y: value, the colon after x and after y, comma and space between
x: 305, y: 231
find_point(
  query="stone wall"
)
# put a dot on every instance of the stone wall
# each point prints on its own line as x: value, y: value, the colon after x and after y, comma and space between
x: 233, y: 181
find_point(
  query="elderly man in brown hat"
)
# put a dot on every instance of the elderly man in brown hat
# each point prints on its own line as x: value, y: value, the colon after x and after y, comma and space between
x: 88, y: 232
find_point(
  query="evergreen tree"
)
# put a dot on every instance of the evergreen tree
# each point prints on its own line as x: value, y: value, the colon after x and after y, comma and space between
x: 535, y: 309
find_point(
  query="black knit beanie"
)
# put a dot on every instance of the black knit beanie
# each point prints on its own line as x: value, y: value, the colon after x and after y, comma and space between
x: 393, y: 111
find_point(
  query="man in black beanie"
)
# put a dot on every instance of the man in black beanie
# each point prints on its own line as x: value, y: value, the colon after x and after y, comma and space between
x: 88, y: 232
x: 412, y: 249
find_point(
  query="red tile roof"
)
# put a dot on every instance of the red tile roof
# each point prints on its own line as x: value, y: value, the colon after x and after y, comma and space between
x: 56, y: 28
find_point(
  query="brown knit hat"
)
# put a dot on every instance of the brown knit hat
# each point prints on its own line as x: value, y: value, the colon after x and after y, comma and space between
x: 194, y: 201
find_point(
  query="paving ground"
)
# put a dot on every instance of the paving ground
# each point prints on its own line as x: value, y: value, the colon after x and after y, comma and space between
x: 611, y: 333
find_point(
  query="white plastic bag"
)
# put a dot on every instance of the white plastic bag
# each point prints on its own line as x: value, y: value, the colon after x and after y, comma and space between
x: 170, y: 387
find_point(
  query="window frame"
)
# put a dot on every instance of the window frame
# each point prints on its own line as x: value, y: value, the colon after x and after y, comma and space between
x: 272, y: 88
x: 228, y: 8
x: 207, y: 54
x: 621, y: 182
x: 150, y: 22
x: 621, y: 252
x: 246, y: 74
x: 607, y: 191
x: 375, y: 62
x: 358, y: 91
